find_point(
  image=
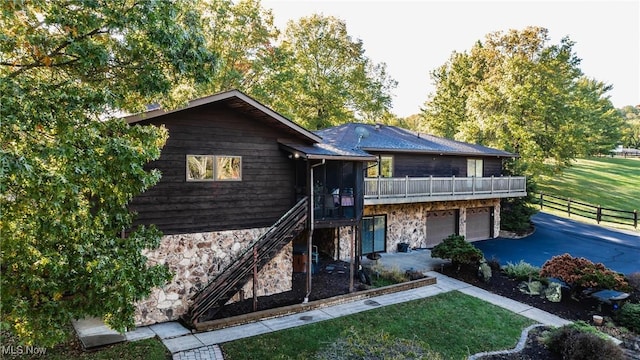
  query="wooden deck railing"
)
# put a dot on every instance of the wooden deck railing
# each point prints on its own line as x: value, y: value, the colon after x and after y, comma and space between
x: 379, y: 188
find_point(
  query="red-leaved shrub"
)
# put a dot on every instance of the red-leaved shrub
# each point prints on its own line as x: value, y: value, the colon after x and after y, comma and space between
x: 582, y: 273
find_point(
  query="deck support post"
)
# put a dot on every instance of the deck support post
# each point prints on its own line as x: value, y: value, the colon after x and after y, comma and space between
x: 352, y: 258
x: 255, y: 278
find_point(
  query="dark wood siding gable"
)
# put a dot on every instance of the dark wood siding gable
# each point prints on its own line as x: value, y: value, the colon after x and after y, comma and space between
x: 423, y: 165
x: 265, y: 192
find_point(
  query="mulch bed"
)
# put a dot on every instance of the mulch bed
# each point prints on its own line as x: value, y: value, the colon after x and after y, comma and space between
x: 330, y: 279
x: 502, y: 285
x: 567, y: 308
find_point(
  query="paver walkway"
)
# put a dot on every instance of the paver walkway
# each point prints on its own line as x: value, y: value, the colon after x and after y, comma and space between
x: 204, y: 346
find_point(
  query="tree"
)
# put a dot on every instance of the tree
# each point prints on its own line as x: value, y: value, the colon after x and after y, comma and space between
x: 517, y: 92
x: 319, y: 76
x: 241, y: 35
x: 631, y: 129
x: 600, y: 124
x: 68, y: 169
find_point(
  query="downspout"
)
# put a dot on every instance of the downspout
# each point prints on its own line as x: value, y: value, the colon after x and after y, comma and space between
x: 310, y: 239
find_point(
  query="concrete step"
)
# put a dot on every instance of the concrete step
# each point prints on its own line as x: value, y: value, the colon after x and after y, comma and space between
x: 92, y: 332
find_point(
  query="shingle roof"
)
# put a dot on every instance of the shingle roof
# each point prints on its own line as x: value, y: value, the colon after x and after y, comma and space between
x: 327, y: 151
x: 381, y: 138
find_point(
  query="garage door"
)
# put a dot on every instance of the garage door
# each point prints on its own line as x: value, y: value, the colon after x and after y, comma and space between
x: 440, y: 224
x: 478, y: 224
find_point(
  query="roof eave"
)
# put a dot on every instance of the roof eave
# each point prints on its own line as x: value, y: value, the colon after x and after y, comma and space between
x: 340, y: 157
x: 303, y: 155
x: 435, y: 152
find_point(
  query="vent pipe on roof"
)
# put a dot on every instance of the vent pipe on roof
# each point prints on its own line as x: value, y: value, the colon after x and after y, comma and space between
x: 377, y: 126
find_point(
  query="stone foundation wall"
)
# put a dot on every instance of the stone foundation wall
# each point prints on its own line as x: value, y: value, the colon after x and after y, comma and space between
x: 407, y: 223
x: 345, y: 236
x: 195, y: 259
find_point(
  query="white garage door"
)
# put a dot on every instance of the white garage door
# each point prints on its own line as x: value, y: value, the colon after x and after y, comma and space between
x: 478, y: 224
x: 440, y: 224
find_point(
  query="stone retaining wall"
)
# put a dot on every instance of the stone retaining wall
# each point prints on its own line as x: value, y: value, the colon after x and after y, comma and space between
x: 195, y: 259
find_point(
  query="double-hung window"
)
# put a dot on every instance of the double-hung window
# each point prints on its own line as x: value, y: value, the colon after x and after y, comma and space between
x: 474, y: 168
x: 214, y: 168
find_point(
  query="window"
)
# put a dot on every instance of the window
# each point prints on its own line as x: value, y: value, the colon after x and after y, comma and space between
x: 474, y: 168
x: 384, y: 167
x: 374, y: 234
x: 199, y: 167
x: 214, y: 168
x: 228, y: 168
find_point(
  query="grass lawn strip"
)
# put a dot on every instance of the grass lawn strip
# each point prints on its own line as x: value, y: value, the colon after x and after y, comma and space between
x: 608, y: 182
x: 452, y: 324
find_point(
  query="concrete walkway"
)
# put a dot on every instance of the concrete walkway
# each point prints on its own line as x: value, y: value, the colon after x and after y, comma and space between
x: 196, y: 346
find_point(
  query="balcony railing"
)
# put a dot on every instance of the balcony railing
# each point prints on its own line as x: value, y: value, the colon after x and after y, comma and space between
x: 440, y: 188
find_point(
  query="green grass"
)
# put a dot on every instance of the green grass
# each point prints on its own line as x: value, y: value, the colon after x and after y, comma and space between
x: 608, y: 182
x: 151, y: 349
x: 452, y: 324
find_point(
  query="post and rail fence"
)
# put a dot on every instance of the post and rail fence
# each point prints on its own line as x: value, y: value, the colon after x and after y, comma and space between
x: 594, y: 212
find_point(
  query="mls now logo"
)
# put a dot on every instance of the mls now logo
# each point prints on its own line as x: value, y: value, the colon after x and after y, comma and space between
x: 22, y: 350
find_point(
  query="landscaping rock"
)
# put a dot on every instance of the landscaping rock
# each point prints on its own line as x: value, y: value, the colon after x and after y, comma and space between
x: 531, y: 287
x: 553, y: 292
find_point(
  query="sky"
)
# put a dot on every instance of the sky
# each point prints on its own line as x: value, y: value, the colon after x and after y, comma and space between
x: 415, y: 37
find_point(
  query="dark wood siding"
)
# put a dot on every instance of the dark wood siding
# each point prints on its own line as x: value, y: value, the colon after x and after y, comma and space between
x: 265, y: 193
x: 492, y: 167
x: 422, y: 165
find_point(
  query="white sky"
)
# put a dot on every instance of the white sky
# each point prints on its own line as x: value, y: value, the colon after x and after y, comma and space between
x: 415, y: 37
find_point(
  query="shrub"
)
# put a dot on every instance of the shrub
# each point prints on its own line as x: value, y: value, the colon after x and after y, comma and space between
x: 629, y: 316
x: 494, y: 263
x: 586, y: 346
x: 582, y: 342
x: 382, y: 276
x: 484, y: 271
x: 522, y: 271
x: 458, y: 251
x: 515, y: 213
x: 581, y: 273
x: 634, y: 280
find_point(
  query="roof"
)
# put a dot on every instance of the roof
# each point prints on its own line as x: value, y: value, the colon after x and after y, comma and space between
x: 382, y: 138
x: 237, y: 100
x: 327, y: 152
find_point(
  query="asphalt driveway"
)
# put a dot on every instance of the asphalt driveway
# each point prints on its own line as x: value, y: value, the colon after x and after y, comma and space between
x: 616, y: 249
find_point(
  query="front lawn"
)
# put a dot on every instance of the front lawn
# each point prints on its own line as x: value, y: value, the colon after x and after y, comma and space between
x: 149, y: 349
x: 452, y: 324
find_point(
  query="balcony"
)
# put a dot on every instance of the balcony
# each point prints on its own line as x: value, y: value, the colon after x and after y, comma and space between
x: 427, y: 189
